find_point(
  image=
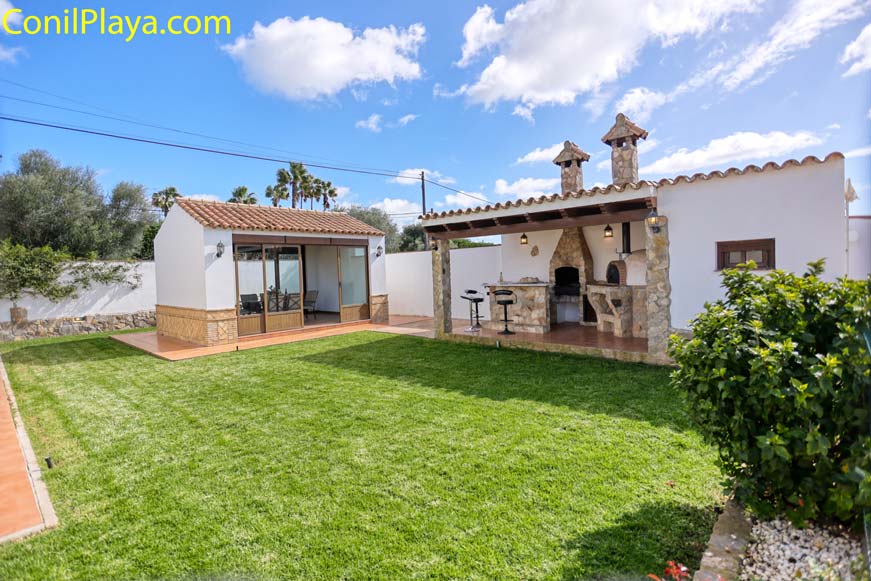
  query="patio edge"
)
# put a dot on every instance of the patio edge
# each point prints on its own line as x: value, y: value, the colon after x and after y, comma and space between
x: 34, y: 471
x: 724, y: 554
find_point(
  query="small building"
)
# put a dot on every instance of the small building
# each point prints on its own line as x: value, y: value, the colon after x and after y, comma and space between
x: 615, y: 270
x: 227, y: 270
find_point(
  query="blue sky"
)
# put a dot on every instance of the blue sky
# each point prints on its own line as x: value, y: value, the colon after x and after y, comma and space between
x: 477, y: 94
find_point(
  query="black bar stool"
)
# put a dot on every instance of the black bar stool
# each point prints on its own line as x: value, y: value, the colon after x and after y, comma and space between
x: 507, y: 298
x: 474, y: 318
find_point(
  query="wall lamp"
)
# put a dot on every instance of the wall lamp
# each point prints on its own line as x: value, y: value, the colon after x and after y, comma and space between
x: 655, y: 221
x: 219, y: 249
x: 609, y: 232
x: 524, y: 239
x: 379, y: 251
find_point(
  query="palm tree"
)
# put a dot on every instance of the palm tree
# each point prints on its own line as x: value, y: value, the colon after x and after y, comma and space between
x: 300, y: 183
x: 329, y: 195
x: 280, y: 190
x: 164, y: 199
x: 241, y: 195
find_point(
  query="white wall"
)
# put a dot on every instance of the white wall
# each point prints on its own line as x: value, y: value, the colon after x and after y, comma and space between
x: 604, y: 250
x: 802, y: 208
x: 322, y: 274
x: 220, y: 273
x: 113, y: 299
x: 377, y: 266
x: 409, y: 280
x: 178, y: 259
x: 860, y: 247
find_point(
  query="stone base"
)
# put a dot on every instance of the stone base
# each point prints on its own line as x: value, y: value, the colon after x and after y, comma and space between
x: 380, y: 309
x: 198, y: 326
x: 613, y: 306
x: 530, y: 314
x: 75, y: 325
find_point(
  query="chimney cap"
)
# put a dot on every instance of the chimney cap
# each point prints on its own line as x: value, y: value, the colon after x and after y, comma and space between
x: 571, y: 152
x: 622, y: 129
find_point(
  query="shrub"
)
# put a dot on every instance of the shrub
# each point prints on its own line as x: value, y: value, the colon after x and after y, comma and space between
x: 777, y: 377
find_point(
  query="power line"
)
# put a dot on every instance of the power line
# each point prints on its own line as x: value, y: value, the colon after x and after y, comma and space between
x: 202, y: 149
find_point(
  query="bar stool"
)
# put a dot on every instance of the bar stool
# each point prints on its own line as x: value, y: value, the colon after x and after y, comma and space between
x: 508, y: 298
x: 474, y: 318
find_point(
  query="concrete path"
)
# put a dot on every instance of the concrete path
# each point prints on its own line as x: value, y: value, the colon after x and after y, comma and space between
x: 25, y: 508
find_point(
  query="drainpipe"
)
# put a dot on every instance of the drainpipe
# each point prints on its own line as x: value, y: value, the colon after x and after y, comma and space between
x: 627, y: 241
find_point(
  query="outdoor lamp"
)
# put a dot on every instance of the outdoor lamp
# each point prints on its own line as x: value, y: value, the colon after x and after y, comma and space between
x: 524, y: 239
x: 379, y: 251
x: 220, y: 249
x: 609, y: 232
x: 654, y: 220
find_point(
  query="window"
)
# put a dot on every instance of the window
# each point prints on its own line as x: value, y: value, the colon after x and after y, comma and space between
x: 731, y: 254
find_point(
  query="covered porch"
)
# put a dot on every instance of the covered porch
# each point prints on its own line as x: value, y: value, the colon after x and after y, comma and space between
x: 587, y: 273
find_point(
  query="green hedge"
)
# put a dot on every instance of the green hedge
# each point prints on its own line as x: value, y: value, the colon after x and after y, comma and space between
x: 778, y: 378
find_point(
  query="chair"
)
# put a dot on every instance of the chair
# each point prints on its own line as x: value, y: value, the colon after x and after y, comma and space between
x: 474, y: 318
x: 309, y: 303
x: 508, y: 298
x: 292, y: 301
x: 250, y: 304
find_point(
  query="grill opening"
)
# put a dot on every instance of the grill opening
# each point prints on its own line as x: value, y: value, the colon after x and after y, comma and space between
x: 567, y: 281
x: 616, y: 272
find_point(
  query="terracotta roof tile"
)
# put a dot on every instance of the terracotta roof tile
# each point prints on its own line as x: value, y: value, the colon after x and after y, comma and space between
x: 227, y: 216
x: 597, y: 191
x: 624, y: 127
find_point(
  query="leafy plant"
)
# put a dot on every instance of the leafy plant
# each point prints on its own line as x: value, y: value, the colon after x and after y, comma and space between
x: 673, y: 571
x: 53, y: 274
x: 165, y: 199
x: 777, y: 377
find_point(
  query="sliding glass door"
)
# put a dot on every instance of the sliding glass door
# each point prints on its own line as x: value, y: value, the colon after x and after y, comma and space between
x: 269, y: 287
x: 354, y: 282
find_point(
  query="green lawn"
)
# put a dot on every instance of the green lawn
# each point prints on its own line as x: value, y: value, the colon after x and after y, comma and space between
x: 361, y: 456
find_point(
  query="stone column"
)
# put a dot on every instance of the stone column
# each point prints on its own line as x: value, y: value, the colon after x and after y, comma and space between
x: 658, y: 291
x: 441, y: 287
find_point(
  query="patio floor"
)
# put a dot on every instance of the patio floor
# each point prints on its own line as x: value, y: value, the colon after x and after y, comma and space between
x: 177, y: 350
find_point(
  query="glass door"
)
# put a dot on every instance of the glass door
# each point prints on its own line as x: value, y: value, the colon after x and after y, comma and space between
x: 283, y: 288
x: 249, y: 288
x: 354, y: 282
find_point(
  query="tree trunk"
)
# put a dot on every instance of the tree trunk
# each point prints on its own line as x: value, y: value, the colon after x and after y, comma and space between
x: 18, y: 315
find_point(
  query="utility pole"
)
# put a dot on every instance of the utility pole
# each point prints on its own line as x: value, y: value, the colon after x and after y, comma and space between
x: 423, y: 206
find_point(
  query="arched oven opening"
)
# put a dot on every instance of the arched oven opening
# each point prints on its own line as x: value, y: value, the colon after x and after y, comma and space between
x: 616, y: 272
x: 567, y: 281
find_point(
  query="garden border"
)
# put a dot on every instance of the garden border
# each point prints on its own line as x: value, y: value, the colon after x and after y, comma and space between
x: 34, y: 471
x: 724, y: 554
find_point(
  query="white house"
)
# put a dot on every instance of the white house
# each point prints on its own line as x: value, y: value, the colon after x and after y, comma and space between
x: 615, y: 270
x: 228, y: 270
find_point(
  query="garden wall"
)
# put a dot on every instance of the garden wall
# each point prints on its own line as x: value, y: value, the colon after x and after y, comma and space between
x: 101, y: 308
x: 409, y: 279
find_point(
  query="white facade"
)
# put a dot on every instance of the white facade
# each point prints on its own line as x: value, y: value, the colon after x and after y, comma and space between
x: 190, y: 274
x: 860, y: 246
x: 800, y: 207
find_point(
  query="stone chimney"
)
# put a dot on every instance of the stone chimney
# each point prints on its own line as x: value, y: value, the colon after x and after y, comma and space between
x: 570, y: 160
x: 623, y: 139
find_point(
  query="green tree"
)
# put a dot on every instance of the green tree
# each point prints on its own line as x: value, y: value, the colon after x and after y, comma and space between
x: 164, y: 199
x: 377, y: 218
x: 47, y: 204
x: 129, y: 215
x: 300, y: 184
x: 146, y: 248
x: 466, y: 243
x: 53, y: 274
x: 241, y: 195
x: 281, y: 190
x: 411, y: 238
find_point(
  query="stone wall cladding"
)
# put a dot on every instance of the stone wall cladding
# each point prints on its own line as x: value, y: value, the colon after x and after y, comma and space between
x: 198, y: 326
x: 639, y: 311
x: 380, y: 309
x: 531, y: 314
x: 75, y: 325
x: 624, y: 164
x: 658, y: 292
x: 572, y: 250
x: 441, y: 288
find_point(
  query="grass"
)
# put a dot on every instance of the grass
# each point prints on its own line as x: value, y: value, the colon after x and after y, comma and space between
x: 360, y: 456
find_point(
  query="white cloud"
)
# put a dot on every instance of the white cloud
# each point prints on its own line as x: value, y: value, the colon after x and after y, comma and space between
x: 550, y: 51
x: 858, y: 53
x: 640, y: 102
x: 411, y: 177
x: 525, y: 187
x: 737, y: 147
x: 371, y: 123
x: 479, y: 32
x: 406, y: 119
x: 860, y: 152
x: 461, y: 201
x: 402, y: 211
x: 869, y: 113
x: 538, y: 154
x: 10, y: 54
x: 834, y: 126
x: 277, y: 57
x: 14, y: 18
x: 206, y: 197
x: 803, y: 23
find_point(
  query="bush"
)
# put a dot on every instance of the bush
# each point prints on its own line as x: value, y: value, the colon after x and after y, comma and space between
x: 777, y: 376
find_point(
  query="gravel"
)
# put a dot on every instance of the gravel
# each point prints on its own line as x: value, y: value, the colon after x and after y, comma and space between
x: 780, y: 552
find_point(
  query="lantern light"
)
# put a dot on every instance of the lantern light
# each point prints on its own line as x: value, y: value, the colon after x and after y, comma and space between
x: 609, y: 232
x: 219, y: 249
x: 524, y: 239
x: 654, y: 220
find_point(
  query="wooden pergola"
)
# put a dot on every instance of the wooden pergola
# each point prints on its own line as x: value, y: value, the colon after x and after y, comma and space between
x: 488, y: 223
